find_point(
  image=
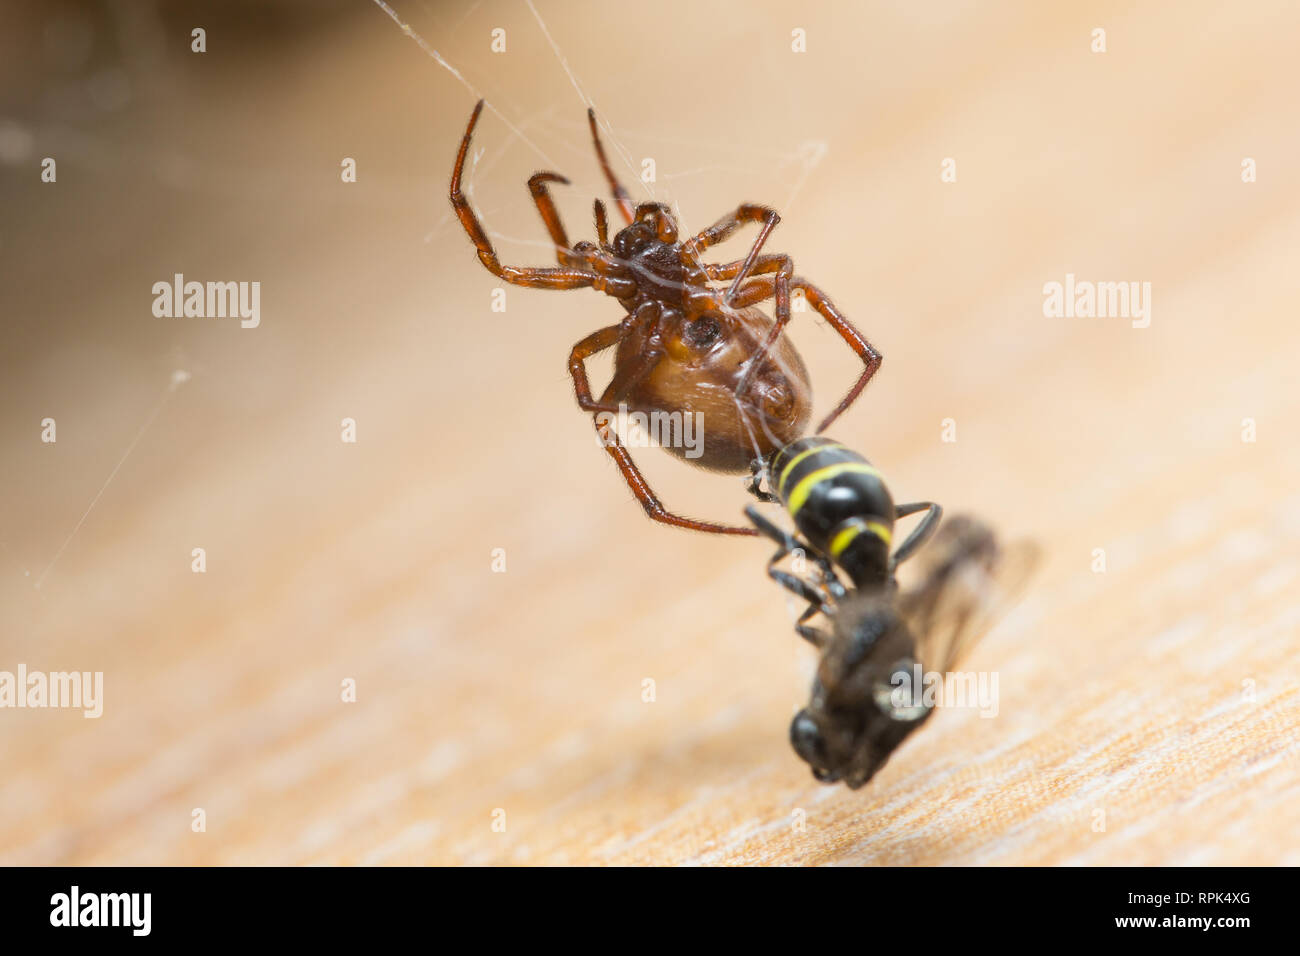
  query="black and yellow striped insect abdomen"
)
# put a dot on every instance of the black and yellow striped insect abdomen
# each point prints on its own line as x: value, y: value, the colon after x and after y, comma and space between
x: 840, y: 503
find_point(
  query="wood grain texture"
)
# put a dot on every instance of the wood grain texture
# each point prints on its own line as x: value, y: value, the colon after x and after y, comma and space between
x: 1122, y: 692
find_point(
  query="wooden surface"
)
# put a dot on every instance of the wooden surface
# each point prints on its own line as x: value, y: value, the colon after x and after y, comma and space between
x: 1126, y: 692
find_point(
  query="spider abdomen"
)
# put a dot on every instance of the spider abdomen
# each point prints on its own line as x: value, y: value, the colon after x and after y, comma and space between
x: 701, y: 364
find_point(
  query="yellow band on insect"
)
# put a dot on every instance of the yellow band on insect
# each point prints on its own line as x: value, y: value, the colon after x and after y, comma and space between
x: 789, y: 465
x: 841, y: 542
x: 799, y: 497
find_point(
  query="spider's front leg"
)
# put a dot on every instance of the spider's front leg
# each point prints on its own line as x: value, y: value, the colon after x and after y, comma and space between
x: 551, y: 216
x: 621, y: 197
x: 537, y: 278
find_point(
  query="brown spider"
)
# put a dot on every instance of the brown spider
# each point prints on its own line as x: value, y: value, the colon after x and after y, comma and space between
x: 684, y: 345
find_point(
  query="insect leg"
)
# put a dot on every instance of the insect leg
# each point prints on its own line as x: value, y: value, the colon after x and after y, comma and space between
x: 816, y: 597
x: 788, y: 543
x: 797, y: 586
x: 813, y: 635
x: 757, y: 469
x: 920, y: 534
x: 770, y: 529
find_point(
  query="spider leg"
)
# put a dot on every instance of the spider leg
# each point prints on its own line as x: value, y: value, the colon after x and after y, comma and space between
x: 611, y: 275
x: 722, y: 230
x: 781, y: 291
x: 752, y: 292
x: 761, y: 287
x: 583, y: 254
x: 665, y: 225
x: 602, y: 225
x: 595, y: 343
x: 561, y: 278
x: 624, y: 379
x: 782, y: 265
x: 871, y: 358
x: 763, y: 265
x: 652, y: 505
x: 551, y: 216
x: 621, y: 197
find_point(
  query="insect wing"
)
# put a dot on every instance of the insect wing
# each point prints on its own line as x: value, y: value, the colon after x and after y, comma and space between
x: 968, y: 581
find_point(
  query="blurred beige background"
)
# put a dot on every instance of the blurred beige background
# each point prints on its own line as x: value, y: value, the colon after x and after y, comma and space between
x: 1161, y: 696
